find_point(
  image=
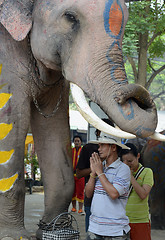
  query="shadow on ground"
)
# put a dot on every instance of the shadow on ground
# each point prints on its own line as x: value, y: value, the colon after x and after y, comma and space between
x: 34, y: 208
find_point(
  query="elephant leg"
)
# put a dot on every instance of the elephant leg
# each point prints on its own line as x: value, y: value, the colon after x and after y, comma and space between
x: 14, y: 123
x: 52, y: 144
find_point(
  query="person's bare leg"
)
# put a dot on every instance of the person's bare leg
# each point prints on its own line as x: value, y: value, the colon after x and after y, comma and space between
x: 80, y: 209
x: 73, y: 205
x: 80, y: 205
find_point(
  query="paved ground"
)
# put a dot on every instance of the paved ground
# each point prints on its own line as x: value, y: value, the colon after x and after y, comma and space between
x: 34, y: 205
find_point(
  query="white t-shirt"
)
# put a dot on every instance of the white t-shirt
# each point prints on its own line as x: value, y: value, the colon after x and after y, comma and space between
x: 108, y: 216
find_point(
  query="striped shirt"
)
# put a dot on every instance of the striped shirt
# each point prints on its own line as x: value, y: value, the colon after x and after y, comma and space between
x: 108, y: 216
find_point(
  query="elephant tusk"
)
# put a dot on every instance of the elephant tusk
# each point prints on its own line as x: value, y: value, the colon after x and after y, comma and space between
x: 91, y: 117
x: 158, y: 136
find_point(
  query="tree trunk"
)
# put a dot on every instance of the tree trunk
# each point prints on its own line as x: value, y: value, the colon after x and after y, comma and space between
x: 143, y: 48
x: 142, y: 62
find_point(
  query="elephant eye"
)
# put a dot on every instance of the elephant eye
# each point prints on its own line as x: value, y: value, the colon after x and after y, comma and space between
x: 70, y: 17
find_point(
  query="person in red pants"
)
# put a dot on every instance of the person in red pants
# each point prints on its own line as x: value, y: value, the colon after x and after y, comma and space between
x: 78, y: 194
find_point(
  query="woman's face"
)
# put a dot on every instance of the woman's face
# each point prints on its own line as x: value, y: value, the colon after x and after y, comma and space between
x: 77, y: 142
x: 131, y: 161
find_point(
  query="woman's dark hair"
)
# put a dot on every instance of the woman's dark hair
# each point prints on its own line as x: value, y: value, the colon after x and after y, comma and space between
x: 132, y: 150
x: 77, y: 136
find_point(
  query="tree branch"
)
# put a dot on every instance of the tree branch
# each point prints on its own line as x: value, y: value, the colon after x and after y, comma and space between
x: 158, y: 95
x: 153, y: 76
x: 149, y: 63
x: 153, y: 38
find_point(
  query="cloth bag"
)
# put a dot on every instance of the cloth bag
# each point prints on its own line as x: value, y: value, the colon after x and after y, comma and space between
x: 62, y: 228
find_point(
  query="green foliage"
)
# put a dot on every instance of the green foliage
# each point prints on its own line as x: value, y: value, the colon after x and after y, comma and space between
x: 31, y: 158
x: 129, y: 72
x: 157, y: 49
x: 72, y: 106
x: 146, y: 23
x: 130, y: 41
x: 144, y: 17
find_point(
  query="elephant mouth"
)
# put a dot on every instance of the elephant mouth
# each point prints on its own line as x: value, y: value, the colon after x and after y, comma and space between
x: 93, y: 119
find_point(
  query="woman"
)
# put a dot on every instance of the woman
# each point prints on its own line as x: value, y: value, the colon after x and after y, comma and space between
x: 137, y: 208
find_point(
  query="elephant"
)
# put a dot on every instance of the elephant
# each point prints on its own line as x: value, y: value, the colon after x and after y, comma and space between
x: 153, y: 156
x: 44, y: 46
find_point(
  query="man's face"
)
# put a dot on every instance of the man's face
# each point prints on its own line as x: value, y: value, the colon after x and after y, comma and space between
x: 131, y: 161
x: 77, y: 142
x: 104, y: 150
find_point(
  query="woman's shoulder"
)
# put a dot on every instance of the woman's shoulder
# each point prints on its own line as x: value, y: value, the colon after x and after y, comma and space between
x: 148, y: 170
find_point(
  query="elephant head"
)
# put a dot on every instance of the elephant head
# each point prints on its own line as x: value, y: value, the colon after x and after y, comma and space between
x: 45, y: 45
x: 83, y: 40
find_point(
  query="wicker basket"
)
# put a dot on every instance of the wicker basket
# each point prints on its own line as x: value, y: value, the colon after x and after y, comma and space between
x: 62, y: 228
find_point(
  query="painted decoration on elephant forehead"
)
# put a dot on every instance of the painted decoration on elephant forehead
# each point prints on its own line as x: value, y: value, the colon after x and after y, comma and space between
x: 5, y: 129
x: 7, y: 183
x: 113, y: 18
x: 5, y: 156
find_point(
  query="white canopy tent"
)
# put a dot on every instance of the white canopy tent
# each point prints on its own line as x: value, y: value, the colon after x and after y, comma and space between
x: 77, y: 122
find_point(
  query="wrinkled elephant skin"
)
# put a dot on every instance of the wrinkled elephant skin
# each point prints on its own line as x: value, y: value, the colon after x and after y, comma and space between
x: 153, y: 156
x: 45, y: 45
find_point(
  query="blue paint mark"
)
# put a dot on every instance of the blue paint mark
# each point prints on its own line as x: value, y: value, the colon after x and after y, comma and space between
x: 111, y: 47
x: 131, y: 115
x: 106, y: 19
x: 116, y: 41
x: 112, y: 72
x: 141, y: 129
x: 116, y: 66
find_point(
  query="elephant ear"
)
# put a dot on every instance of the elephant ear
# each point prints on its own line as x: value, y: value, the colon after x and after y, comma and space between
x: 16, y: 17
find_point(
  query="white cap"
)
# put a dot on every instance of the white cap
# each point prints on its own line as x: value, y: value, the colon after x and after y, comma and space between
x: 109, y: 139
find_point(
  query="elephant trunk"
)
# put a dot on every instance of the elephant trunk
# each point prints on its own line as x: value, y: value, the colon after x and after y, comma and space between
x: 132, y: 109
x: 128, y: 105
